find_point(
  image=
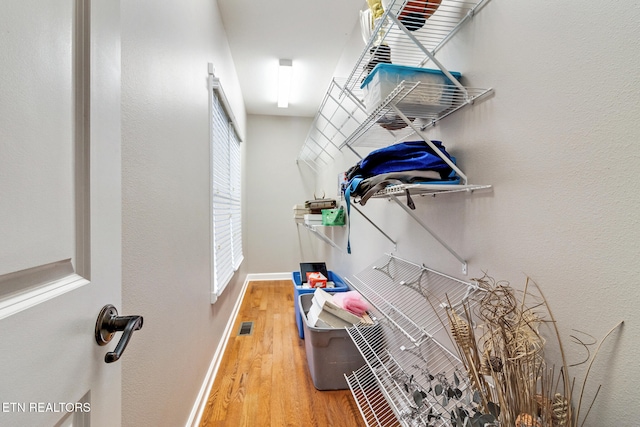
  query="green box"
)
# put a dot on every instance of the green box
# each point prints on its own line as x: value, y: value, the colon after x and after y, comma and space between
x: 333, y: 217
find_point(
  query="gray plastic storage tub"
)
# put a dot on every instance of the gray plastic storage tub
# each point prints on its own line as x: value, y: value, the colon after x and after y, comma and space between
x: 339, y: 286
x: 330, y: 352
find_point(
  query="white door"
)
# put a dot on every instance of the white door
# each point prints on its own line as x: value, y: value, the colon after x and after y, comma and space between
x: 60, y: 248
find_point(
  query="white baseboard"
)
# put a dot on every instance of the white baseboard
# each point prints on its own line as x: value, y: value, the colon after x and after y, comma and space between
x: 198, y: 408
x: 254, y: 277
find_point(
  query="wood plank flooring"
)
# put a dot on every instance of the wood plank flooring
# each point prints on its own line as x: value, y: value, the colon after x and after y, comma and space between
x: 264, y: 379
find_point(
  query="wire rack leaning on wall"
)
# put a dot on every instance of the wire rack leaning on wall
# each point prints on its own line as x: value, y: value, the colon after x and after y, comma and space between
x: 411, y: 375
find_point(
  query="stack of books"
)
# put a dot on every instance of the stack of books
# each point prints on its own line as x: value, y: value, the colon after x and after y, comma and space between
x: 313, y: 219
x: 324, y: 313
x: 299, y: 212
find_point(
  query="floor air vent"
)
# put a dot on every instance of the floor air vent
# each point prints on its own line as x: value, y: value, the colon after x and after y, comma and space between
x: 246, y: 328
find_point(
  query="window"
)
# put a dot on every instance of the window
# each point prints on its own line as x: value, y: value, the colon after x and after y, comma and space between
x: 226, y: 218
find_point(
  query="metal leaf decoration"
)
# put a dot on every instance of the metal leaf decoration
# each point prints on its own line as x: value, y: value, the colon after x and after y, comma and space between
x: 493, y: 409
x: 439, y: 389
x: 418, y: 397
x: 457, y: 393
x: 482, y: 420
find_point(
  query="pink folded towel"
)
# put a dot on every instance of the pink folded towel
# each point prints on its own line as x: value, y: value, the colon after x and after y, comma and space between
x: 351, y: 301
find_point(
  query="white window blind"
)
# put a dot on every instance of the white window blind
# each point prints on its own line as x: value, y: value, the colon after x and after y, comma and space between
x: 226, y: 215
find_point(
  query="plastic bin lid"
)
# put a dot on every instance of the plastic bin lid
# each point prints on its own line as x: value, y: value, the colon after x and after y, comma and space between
x: 404, y: 69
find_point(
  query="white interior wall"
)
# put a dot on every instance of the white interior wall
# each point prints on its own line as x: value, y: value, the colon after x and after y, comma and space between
x: 166, y: 248
x: 558, y: 142
x: 274, y: 184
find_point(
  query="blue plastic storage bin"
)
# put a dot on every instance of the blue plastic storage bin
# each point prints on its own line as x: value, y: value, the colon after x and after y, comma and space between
x: 433, y: 95
x: 340, y: 286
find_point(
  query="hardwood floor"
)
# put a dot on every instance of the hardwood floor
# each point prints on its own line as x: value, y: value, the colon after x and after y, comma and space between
x: 264, y: 379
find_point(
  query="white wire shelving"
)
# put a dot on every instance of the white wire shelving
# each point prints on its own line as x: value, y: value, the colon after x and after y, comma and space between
x: 320, y: 231
x: 338, y: 117
x: 401, y: 116
x: 410, y: 377
x: 343, y: 120
x: 392, y: 41
x: 428, y: 189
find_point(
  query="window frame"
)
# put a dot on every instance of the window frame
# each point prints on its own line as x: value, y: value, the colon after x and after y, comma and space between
x: 226, y: 190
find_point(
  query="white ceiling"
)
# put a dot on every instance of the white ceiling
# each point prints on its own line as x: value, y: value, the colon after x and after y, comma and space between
x: 312, y: 33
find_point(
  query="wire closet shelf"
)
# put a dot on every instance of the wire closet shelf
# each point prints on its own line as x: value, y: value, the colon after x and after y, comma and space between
x: 410, y: 378
x: 343, y: 120
x: 394, y: 40
x: 339, y: 115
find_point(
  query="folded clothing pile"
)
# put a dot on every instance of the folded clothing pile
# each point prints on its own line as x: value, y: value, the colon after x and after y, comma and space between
x: 402, y: 163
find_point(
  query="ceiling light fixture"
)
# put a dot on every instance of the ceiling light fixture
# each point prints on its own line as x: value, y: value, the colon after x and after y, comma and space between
x: 285, y: 73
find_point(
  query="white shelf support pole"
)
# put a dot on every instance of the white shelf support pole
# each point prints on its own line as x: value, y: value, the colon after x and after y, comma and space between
x: 395, y: 245
x: 431, y: 144
x: 419, y: 45
x: 435, y: 236
x: 321, y: 236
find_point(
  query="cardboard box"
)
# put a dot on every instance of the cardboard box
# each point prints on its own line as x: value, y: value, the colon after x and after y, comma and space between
x: 316, y: 280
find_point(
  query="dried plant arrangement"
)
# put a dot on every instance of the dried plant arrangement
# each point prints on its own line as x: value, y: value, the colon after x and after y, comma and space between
x: 502, y: 349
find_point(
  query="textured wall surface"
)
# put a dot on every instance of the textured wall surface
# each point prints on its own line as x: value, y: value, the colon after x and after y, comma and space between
x: 166, y: 246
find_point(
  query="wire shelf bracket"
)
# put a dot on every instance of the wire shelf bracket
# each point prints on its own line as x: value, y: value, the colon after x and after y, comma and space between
x: 315, y: 230
x: 395, y: 244
x: 417, y: 219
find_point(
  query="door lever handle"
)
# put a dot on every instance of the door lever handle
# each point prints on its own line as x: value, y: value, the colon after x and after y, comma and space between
x: 109, y: 323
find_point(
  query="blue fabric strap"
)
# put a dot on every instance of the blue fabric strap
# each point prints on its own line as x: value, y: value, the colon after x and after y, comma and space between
x: 353, y: 185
